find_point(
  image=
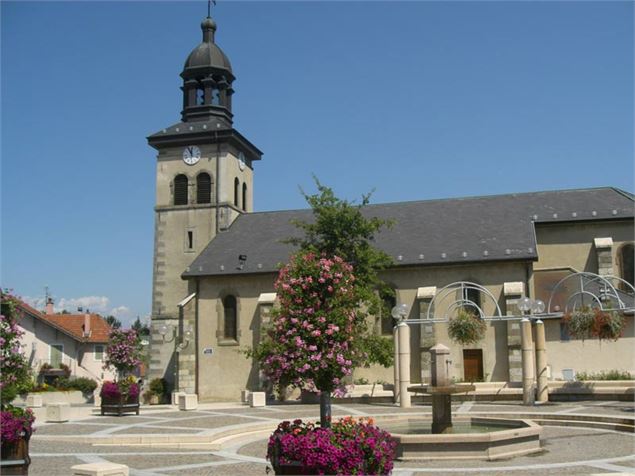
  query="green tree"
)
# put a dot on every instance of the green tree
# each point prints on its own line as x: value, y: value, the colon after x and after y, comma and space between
x: 113, y: 322
x: 142, y: 329
x: 345, y: 229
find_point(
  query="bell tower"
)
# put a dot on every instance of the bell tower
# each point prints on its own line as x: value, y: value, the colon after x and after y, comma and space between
x: 204, y: 180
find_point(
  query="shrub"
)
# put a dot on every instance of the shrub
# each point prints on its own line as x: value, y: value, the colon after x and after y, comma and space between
x: 83, y: 384
x: 348, y: 447
x: 158, y: 387
x: 66, y: 369
x: 466, y: 328
x: 605, y: 375
x: 580, y: 322
x: 608, y: 325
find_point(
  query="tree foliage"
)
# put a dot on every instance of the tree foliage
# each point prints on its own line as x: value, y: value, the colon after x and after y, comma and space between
x: 346, y: 229
x: 113, y: 322
x: 310, y: 342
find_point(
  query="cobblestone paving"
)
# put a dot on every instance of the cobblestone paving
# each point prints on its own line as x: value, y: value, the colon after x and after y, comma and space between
x: 567, y: 450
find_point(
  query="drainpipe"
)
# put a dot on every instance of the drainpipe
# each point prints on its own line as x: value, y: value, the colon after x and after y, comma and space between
x: 196, y: 333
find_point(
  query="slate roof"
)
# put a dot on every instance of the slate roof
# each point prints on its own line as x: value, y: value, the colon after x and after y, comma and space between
x: 430, y: 232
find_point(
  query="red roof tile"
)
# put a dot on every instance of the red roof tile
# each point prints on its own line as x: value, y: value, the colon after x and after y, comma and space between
x: 73, y: 324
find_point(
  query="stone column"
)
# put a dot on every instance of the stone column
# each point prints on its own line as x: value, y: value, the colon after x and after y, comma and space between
x: 395, y: 336
x: 265, y: 306
x: 441, y: 402
x: 542, y: 391
x: 403, y: 334
x: 427, y: 330
x: 528, y: 364
x: 604, y: 252
x: 513, y: 291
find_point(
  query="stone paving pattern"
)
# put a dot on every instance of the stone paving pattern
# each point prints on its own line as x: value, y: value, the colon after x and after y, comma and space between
x: 567, y: 450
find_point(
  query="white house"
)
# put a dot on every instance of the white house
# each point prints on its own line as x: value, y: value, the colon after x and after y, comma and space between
x: 75, y: 340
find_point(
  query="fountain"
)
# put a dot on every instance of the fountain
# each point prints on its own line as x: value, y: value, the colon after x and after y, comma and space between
x: 470, y: 438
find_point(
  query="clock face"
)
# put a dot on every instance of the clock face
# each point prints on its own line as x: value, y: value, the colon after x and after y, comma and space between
x: 241, y: 161
x: 191, y: 154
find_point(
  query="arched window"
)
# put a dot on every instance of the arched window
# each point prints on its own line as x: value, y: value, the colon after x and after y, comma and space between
x: 627, y: 271
x: 236, y: 190
x: 230, y: 322
x: 474, y: 296
x: 244, y: 196
x: 388, y: 301
x: 200, y: 96
x: 180, y: 190
x: 203, y: 188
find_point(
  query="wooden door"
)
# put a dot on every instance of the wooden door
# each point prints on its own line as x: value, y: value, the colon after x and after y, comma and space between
x: 473, y: 365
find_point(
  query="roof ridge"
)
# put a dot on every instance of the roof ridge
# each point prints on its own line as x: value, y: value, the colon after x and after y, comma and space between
x: 467, y: 197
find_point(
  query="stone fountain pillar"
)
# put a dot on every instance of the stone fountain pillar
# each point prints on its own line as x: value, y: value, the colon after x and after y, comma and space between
x: 441, y: 401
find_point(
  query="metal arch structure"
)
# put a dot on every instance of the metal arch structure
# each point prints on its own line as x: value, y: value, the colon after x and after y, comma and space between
x: 449, y: 292
x: 599, y: 291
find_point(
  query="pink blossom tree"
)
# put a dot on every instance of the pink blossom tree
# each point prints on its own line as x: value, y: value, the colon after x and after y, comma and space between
x: 123, y: 351
x: 310, y: 341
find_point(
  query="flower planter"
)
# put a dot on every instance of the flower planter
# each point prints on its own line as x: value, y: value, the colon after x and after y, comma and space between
x: 15, y: 456
x: 119, y: 405
x: 290, y: 468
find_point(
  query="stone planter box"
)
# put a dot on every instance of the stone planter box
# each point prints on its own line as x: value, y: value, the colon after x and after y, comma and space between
x: 119, y: 406
x: 74, y: 397
x: 15, y: 457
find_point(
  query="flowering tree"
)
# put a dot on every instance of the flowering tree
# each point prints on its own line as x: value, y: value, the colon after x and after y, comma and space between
x: 15, y: 375
x: 309, y: 343
x: 123, y: 351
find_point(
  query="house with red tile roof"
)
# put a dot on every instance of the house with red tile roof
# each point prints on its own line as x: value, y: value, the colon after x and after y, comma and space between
x: 77, y: 341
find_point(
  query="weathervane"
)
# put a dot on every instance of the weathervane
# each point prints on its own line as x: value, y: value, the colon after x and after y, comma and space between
x: 209, y: 7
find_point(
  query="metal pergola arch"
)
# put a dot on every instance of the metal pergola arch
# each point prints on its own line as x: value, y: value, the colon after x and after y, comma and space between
x: 599, y: 289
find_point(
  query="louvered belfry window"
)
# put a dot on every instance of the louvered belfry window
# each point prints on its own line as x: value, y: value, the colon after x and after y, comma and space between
x: 203, y: 188
x: 180, y: 190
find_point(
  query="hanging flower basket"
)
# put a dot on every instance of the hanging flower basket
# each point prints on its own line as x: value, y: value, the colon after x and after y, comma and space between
x: 588, y: 322
x: 608, y: 325
x: 580, y: 322
x: 466, y: 328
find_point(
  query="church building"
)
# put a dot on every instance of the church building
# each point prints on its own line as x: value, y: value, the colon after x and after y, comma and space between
x: 215, y: 260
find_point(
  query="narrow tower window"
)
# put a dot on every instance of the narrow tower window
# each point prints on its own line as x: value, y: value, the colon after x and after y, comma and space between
x: 200, y: 96
x: 236, y: 190
x: 203, y: 188
x: 244, y: 196
x: 180, y: 190
x: 230, y: 330
x: 626, y: 264
x: 190, y: 240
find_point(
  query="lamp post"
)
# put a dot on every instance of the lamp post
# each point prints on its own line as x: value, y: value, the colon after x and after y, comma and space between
x: 541, y: 394
x: 166, y: 329
x: 403, y: 353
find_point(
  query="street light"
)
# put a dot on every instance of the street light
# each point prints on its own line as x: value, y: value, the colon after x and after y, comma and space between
x: 400, y: 311
x: 166, y: 329
x: 534, y: 306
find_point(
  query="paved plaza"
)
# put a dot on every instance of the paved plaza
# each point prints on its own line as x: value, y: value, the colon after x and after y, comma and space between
x: 231, y: 439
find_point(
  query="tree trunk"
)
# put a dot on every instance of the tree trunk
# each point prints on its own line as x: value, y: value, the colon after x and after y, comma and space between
x: 325, y: 409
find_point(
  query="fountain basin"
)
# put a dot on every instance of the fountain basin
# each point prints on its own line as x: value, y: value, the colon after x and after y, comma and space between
x: 501, y: 438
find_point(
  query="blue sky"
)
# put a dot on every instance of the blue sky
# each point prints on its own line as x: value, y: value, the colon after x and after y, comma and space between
x: 416, y: 100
